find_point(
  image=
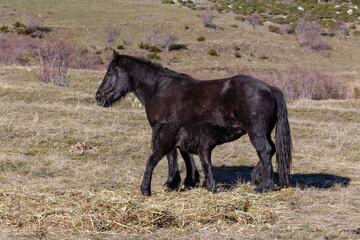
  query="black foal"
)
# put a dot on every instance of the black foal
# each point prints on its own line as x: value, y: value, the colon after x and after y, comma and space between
x: 198, y: 139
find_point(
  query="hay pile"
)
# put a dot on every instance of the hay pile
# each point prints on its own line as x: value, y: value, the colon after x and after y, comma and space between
x: 121, y: 211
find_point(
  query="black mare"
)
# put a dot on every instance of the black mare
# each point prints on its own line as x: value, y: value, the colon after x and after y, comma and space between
x: 200, y: 138
x: 242, y: 102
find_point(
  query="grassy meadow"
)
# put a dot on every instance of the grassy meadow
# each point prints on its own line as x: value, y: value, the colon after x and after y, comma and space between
x: 70, y: 169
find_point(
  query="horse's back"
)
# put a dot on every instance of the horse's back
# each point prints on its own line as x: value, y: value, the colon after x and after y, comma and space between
x: 237, y: 101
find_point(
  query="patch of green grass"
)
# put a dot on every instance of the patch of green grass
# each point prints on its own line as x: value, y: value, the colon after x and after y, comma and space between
x: 212, y: 52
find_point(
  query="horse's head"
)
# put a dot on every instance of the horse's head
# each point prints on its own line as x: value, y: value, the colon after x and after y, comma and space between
x: 116, y: 82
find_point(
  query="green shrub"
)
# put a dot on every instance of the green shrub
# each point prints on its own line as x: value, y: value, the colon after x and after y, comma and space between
x: 356, y: 33
x: 154, y: 49
x: 236, y: 48
x: 143, y: 45
x: 153, y: 56
x: 23, y: 30
x: 120, y: 46
x: 233, y: 25
x: 4, y: 29
x: 263, y: 57
x: 186, y: 26
x: 201, y: 38
x: 352, y: 26
x: 18, y: 24
x: 356, y: 94
x: 274, y: 29
x: 167, y: 1
x: 330, y: 24
x: 212, y: 52
x: 240, y: 18
x: 237, y: 55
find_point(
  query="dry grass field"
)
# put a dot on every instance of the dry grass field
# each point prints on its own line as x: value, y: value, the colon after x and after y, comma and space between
x: 70, y: 169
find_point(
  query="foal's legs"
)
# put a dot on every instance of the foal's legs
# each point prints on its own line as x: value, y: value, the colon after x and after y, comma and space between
x: 150, y: 165
x: 173, y: 180
x: 205, y: 158
x: 265, y: 149
x: 192, y: 175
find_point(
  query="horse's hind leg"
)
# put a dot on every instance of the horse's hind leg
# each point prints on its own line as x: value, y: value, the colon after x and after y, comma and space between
x: 173, y: 181
x: 263, y: 172
x: 256, y: 174
x: 192, y: 175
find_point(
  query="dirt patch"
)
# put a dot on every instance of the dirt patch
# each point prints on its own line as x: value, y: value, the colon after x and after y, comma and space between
x: 82, y: 147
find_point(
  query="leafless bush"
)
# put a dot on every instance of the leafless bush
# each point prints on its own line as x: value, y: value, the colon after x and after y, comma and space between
x: 34, y: 22
x: 169, y: 40
x: 15, y: 48
x: 111, y: 34
x: 153, y: 38
x: 54, y: 58
x: 207, y: 17
x: 81, y: 58
x: 165, y: 40
x: 284, y: 28
x: 254, y: 19
x: 340, y: 29
x: 309, y: 34
x: 300, y: 83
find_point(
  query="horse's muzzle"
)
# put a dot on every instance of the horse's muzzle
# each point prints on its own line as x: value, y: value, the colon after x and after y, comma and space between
x: 101, y: 100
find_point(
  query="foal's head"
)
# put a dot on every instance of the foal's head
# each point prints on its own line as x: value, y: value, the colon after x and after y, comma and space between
x: 116, y: 82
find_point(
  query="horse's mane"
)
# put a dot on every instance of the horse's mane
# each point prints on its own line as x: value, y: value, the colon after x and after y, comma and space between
x: 157, y: 67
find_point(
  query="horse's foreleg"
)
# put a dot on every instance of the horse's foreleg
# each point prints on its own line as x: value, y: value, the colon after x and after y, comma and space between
x: 205, y: 158
x: 192, y: 175
x: 150, y: 165
x: 173, y: 181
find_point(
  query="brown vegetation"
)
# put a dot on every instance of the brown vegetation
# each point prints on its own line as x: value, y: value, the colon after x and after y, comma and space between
x: 300, y: 83
x: 111, y: 33
x: 53, y: 56
x: 309, y: 34
x: 207, y: 17
x: 254, y: 19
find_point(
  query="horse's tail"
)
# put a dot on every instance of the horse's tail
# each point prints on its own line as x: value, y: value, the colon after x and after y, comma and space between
x: 282, y: 139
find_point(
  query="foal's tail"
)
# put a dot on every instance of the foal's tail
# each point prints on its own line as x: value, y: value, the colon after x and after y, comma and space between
x: 282, y: 140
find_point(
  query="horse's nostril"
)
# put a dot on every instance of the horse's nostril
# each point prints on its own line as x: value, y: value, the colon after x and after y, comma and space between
x: 97, y: 97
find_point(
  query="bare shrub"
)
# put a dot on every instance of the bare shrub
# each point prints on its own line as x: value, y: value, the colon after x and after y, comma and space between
x: 111, y: 34
x: 340, y: 29
x: 157, y: 38
x: 20, y: 49
x: 254, y: 19
x: 14, y: 49
x: 34, y: 22
x: 153, y: 38
x: 309, y: 34
x: 284, y: 28
x: 81, y: 58
x: 53, y: 56
x: 170, y: 40
x: 207, y: 17
x: 300, y: 83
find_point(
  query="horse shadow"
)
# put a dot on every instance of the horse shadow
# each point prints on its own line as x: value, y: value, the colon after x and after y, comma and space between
x: 229, y: 176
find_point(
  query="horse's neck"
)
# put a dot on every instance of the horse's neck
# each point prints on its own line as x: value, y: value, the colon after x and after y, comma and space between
x: 143, y: 85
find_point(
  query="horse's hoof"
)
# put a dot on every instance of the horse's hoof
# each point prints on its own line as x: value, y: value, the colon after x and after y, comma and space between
x: 169, y: 187
x: 145, y: 192
x: 189, y: 183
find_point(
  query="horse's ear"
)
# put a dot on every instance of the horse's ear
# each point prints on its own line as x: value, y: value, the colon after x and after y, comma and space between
x: 115, y: 54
